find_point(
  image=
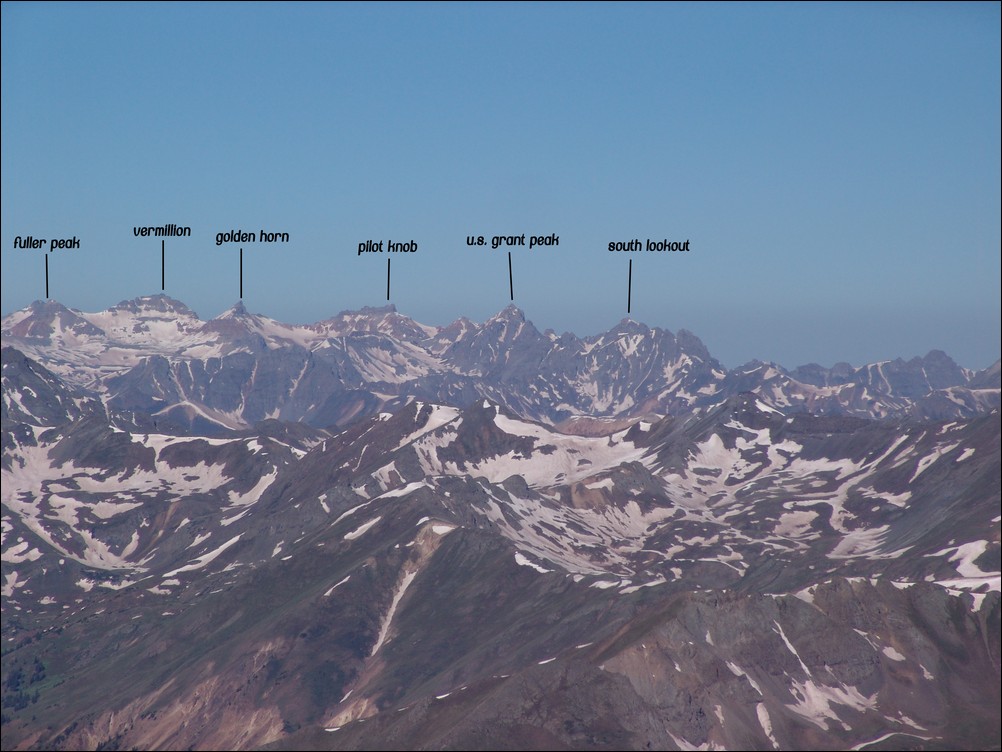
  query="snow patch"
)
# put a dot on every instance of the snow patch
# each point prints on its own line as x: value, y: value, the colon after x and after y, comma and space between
x: 334, y: 587
x: 766, y: 722
x: 385, y: 627
x: 523, y: 561
x: 814, y: 701
x: 205, y: 559
x: 362, y: 529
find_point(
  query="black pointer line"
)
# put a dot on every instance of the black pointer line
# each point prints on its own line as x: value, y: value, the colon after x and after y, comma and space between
x: 387, y: 278
x: 241, y: 273
x: 629, y: 286
x: 46, y: 276
x: 511, y: 289
x: 162, y: 287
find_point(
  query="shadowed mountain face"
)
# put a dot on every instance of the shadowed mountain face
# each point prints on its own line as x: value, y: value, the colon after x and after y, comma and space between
x: 154, y: 356
x: 739, y: 572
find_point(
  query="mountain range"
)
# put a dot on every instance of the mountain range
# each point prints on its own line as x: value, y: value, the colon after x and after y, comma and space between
x: 155, y: 357
x: 372, y: 533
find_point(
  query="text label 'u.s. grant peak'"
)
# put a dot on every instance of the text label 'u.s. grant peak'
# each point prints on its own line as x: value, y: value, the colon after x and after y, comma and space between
x: 514, y: 241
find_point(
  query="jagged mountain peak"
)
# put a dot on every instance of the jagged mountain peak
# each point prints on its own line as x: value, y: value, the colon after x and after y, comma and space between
x: 44, y: 319
x: 989, y: 378
x: 159, y: 303
x: 235, y: 310
x: 628, y: 324
x: 241, y: 328
x: 940, y: 368
x: 385, y: 320
x: 460, y: 326
x: 510, y: 323
x: 365, y: 312
x: 693, y: 345
x: 446, y: 337
x: 48, y: 306
x: 510, y: 312
x: 377, y: 310
x: 937, y: 355
x: 238, y: 313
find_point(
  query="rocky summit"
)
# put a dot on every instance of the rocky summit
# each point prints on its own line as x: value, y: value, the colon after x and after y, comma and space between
x: 372, y: 533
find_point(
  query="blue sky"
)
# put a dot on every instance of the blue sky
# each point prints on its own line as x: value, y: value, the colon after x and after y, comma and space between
x: 836, y: 168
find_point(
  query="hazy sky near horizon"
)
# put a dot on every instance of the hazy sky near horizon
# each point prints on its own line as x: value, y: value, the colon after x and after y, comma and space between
x: 835, y: 168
